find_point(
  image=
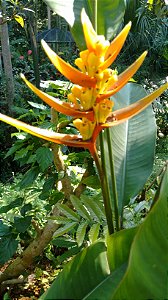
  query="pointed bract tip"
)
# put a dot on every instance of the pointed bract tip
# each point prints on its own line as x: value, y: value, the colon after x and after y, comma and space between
x: 129, y: 24
x: 83, y: 15
x: 22, y: 76
x: 43, y: 42
x: 145, y: 53
x: 142, y: 56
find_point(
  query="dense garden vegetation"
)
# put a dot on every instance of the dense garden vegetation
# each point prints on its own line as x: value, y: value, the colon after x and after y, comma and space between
x: 52, y: 212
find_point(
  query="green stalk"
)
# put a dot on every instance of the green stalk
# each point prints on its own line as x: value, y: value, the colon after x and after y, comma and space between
x: 105, y: 192
x: 113, y: 179
x: 95, y: 15
x: 101, y: 164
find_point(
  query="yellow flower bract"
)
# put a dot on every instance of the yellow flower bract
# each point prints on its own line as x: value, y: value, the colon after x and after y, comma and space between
x: 90, y: 62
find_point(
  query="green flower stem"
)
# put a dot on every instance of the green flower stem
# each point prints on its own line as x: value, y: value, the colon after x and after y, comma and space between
x: 101, y: 163
x: 95, y: 15
x: 113, y: 179
x: 105, y: 192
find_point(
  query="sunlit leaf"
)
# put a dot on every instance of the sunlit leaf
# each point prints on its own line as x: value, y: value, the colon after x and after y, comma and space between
x: 19, y: 19
x: 90, y: 261
x: 109, y: 16
x: 93, y: 233
x: 80, y: 233
x: 146, y: 276
x: 80, y: 207
x: 8, y: 247
x: 133, y: 145
x: 44, y: 157
x: 64, y: 229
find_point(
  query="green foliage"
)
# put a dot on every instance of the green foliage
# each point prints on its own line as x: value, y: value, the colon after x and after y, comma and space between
x: 44, y: 158
x: 22, y: 223
x: 152, y: 236
x: 133, y: 145
x: 120, y: 240
x: 148, y: 32
x: 8, y: 247
x: 87, y: 219
x: 18, y: 208
x: 22, y: 203
x: 15, y: 203
x: 95, y: 257
x: 106, y: 14
x: 128, y: 252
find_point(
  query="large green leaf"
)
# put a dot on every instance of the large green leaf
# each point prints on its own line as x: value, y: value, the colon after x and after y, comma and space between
x: 44, y: 157
x: 131, y: 12
x: 15, y: 203
x: 146, y: 276
x: 104, y: 290
x: 133, y: 145
x: 118, y: 247
x: 95, y: 262
x: 22, y: 223
x: 29, y: 177
x: 109, y: 16
x: 8, y: 247
x: 81, y: 274
x: 5, y: 230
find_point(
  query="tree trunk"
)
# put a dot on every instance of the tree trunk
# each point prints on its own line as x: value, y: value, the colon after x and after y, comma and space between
x: 49, y: 17
x: 6, y: 54
x: 31, y: 27
x: 26, y: 259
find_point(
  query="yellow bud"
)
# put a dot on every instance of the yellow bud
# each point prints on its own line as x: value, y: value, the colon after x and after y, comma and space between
x: 73, y: 99
x: 84, y: 56
x: 107, y: 73
x: 101, y: 46
x: 85, y: 127
x: 109, y: 78
x: 96, y: 92
x: 93, y: 62
x: 80, y: 64
x: 111, y: 81
x: 102, y: 110
x: 99, y: 75
x: 86, y: 98
x: 76, y: 90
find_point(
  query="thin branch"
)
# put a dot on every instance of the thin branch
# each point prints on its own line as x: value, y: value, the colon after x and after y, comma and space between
x: 81, y: 186
x: 36, y: 227
x: 35, y: 248
x: 58, y: 161
x: 157, y: 175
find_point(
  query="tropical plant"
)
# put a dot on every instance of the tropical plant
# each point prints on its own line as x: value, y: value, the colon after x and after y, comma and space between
x: 122, y: 267
x: 121, y: 143
x: 149, y: 31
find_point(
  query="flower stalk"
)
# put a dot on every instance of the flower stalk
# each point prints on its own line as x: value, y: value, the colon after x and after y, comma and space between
x: 101, y: 163
x: 105, y: 188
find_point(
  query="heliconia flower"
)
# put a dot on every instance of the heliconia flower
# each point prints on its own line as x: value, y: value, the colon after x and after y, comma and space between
x: 102, y: 110
x: 94, y: 82
x: 85, y: 127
